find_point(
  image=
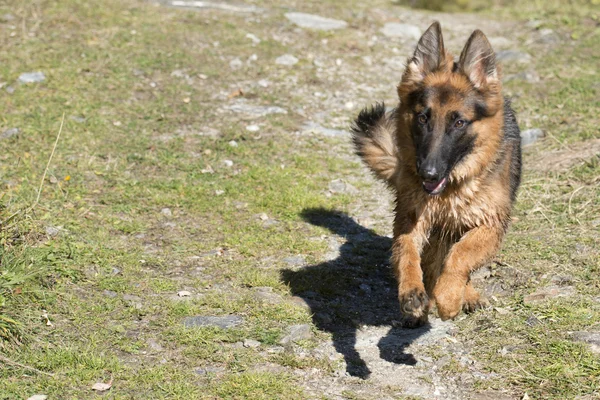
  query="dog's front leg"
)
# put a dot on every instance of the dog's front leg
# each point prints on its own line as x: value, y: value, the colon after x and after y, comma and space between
x: 472, y: 251
x: 406, y: 262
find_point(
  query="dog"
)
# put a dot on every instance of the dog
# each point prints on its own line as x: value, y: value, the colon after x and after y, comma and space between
x: 451, y: 152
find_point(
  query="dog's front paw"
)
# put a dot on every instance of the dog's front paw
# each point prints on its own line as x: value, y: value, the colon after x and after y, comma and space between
x: 414, y: 302
x: 449, y: 293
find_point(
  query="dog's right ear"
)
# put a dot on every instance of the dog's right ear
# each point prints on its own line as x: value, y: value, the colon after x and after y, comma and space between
x: 429, y: 55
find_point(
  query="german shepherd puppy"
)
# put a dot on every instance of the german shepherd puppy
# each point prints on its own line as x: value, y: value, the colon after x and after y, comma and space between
x: 451, y: 151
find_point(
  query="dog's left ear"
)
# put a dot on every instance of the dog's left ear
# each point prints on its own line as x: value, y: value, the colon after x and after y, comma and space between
x: 478, y: 60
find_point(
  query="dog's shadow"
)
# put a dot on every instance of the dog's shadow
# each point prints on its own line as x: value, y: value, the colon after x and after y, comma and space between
x: 353, y: 290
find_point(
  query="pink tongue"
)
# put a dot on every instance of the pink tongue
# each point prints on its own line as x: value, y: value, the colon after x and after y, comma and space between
x: 433, y: 186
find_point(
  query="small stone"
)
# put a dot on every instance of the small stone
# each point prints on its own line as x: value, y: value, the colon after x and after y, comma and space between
x: 268, y: 297
x: 166, y: 212
x: 264, y: 83
x: 32, y: 77
x: 253, y: 37
x: 250, y: 343
x: 228, y: 163
x: 547, y: 293
x: 297, y: 333
x: 219, y: 192
x: 236, y: 63
x: 52, y: 231
x: 10, y: 89
x: 184, y: 293
x: 133, y: 301
x: 294, y: 260
x: 115, y: 271
x: 77, y: 118
x: 287, y: 60
x: 209, y: 370
x: 398, y: 30
x: 9, y: 133
x: 317, y: 22
x: 109, y: 293
x: 300, y: 302
x: 154, y: 345
x: 254, y: 111
x: 224, y: 322
x: 38, y: 397
x: 263, y: 217
x: 339, y: 186
x: 233, y: 143
x: 591, y: 338
x: 530, y: 136
x: 532, y: 321
x: 252, y: 128
x: 513, y: 56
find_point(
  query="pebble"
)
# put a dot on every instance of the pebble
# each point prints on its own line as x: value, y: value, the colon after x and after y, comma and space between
x: 297, y: 333
x: 339, y: 186
x: 224, y: 322
x: 254, y: 111
x: 398, y: 30
x: 228, y: 163
x: 253, y: 37
x: 32, y: 77
x: 38, y: 397
x: 530, y: 136
x: 109, y: 293
x: 317, y: 22
x: 252, y: 128
x: 52, y: 231
x: 250, y: 343
x: 591, y: 338
x: 287, y: 60
x: 9, y: 133
x: 233, y: 143
x: 236, y: 63
x: 513, y: 56
x: 549, y: 292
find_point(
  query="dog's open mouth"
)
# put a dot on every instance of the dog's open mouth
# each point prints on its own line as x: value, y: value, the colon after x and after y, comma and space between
x: 435, y: 187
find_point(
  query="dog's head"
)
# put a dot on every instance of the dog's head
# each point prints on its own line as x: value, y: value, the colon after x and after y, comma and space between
x: 449, y: 108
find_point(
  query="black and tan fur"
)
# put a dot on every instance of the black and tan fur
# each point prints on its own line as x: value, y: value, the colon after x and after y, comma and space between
x: 451, y: 152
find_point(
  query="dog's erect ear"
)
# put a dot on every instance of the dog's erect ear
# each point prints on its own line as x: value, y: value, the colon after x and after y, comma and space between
x: 429, y: 54
x: 478, y: 60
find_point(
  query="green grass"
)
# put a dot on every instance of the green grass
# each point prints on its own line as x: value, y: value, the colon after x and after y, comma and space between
x: 133, y: 145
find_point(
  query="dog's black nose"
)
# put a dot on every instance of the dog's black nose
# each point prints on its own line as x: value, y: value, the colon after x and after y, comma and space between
x: 429, y: 172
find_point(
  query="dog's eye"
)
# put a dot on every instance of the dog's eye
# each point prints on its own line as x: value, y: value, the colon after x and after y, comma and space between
x: 459, y: 124
x: 422, y: 119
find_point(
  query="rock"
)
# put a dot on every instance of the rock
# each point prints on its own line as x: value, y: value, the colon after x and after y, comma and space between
x: 32, y: 77
x: 549, y: 292
x: 317, y: 22
x: 253, y: 37
x: 300, y: 302
x: 294, y: 260
x: 184, y: 293
x: 287, y: 60
x: 38, y: 397
x: 240, y: 8
x: 77, y: 118
x: 297, y: 333
x: 339, y: 186
x: 254, y: 111
x: 264, y: 83
x: 311, y: 127
x: 133, y: 301
x: 526, y: 76
x: 209, y: 370
x: 252, y: 128
x: 513, y: 56
x: 532, y: 321
x: 530, y: 136
x: 263, y: 294
x: 233, y: 143
x: 10, y: 89
x: 166, y: 212
x: 52, y: 231
x: 223, y: 322
x: 591, y: 338
x: 250, y: 343
x: 236, y: 63
x: 154, y: 345
x: 109, y: 293
x: 228, y: 163
x: 398, y: 30
x: 9, y: 133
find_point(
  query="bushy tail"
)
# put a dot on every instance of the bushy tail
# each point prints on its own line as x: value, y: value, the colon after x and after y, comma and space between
x: 374, y: 139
